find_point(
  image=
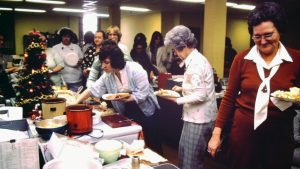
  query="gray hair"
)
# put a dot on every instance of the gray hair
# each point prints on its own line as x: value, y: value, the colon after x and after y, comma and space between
x: 180, y: 37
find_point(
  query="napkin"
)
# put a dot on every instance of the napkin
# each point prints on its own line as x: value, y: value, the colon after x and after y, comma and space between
x: 282, y: 105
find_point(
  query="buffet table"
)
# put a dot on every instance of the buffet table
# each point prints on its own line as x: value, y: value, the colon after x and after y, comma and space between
x: 104, y: 131
x: 127, y: 133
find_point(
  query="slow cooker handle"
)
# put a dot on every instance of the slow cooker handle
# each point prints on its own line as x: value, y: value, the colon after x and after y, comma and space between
x: 53, y: 109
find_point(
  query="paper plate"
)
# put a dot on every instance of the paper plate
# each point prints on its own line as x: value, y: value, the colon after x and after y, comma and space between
x: 166, y: 93
x: 113, y: 96
x: 71, y: 59
x: 293, y: 100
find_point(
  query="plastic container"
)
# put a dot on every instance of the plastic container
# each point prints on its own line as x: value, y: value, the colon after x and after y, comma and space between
x: 109, y: 150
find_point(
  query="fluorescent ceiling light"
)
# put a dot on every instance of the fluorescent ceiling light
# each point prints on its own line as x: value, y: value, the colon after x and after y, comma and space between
x: 244, y: 6
x: 47, y: 2
x: 102, y: 15
x: 135, y: 9
x: 69, y: 10
x: 231, y: 4
x: 12, y: 0
x: 191, y: 1
x: 30, y: 10
x: 5, y: 9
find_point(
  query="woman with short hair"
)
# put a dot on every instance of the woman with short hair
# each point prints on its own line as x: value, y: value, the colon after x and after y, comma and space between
x: 261, y: 135
x: 198, y: 100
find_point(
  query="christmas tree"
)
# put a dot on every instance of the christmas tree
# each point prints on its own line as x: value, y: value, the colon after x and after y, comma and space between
x: 33, y: 84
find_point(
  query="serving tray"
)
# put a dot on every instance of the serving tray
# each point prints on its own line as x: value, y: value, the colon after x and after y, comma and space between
x: 116, y: 120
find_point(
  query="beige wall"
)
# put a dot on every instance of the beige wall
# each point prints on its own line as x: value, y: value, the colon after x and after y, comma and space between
x: 144, y: 23
x: 237, y: 31
x: 26, y: 23
x: 104, y: 24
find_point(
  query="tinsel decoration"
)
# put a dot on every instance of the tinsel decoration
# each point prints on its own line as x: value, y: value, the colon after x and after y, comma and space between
x: 34, y: 84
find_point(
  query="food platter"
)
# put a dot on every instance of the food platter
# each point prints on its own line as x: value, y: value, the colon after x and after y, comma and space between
x: 294, y: 100
x: 116, y: 96
x: 67, y: 94
x: 290, y: 96
x: 167, y: 93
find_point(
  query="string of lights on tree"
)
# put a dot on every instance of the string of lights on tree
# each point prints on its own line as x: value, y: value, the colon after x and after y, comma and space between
x: 34, y: 84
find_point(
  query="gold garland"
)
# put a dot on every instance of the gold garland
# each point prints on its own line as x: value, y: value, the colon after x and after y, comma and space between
x: 40, y: 71
x: 22, y: 102
x: 35, y: 45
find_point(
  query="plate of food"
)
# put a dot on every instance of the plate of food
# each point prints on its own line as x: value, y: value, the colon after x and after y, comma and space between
x: 116, y: 96
x: 166, y: 93
x: 67, y: 94
x: 293, y: 95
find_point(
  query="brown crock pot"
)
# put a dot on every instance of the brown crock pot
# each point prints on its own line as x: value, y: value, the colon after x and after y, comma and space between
x: 53, y: 107
x: 79, y: 119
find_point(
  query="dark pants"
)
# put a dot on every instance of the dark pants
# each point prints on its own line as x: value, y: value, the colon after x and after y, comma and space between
x: 149, y: 125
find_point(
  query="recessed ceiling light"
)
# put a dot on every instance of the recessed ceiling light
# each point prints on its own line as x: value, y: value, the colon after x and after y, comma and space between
x: 47, y: 2
x: 135, y: 9
x: 5, y: 9
x: 69, y: 10
x: 30, y: 10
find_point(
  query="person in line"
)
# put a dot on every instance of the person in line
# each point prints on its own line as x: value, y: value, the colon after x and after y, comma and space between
x: 141, y: 38
x: 122, y: 75
x: 156, y: 42
x: 72, y: 57
x: 88, y: 40
x: 91, y: 55
x: 198, y: 100
x: 261, y: 134
x: 113, y: 33
x: 138, y: 54
x: 229, y: 56
x: 164, y: 58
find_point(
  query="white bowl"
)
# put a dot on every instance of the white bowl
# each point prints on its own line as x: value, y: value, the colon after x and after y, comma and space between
x: 73, y: 164
x: 109, y: 150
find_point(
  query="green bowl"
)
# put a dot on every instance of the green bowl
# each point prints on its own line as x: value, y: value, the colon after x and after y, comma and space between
x: 109, y: 150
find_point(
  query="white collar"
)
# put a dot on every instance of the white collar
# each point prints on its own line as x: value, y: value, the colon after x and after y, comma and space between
x: 189, y: 58
x: 281, y: 55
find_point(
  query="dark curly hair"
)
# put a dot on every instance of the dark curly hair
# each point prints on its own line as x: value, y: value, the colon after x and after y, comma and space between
x: 65, y: 32
x: 268, y: 11
x: 110, y: 50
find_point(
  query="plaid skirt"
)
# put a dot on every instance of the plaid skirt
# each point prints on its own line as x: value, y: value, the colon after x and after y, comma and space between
x: 193, y: 144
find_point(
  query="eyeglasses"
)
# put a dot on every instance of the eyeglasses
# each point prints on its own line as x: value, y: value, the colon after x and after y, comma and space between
x: 266, y: 36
